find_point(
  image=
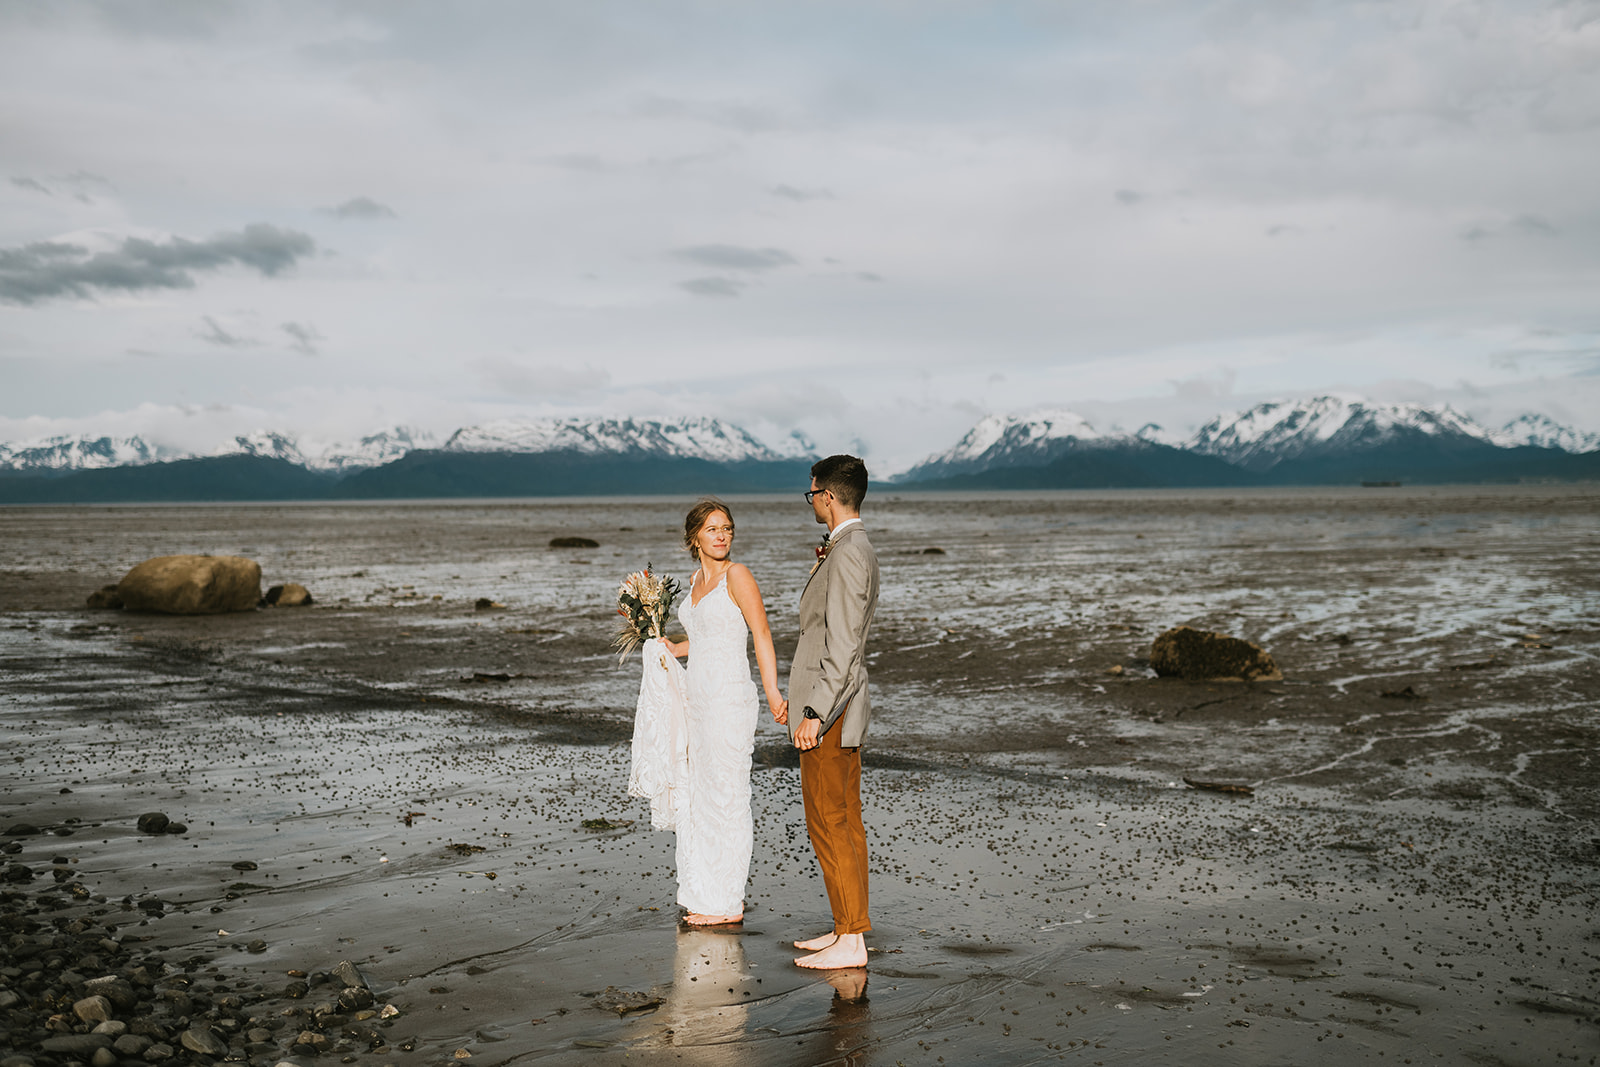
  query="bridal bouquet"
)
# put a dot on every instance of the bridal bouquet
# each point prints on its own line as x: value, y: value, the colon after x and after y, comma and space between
x: 644, y: 600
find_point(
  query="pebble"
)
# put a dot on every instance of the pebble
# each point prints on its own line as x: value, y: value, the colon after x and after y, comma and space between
x: 132, y: 1044
x: 112, y: 1028
x: 21, y: 829
x: 94, y: 1009
x: 117, y: 990
x: 153, y: 822
x: 103, y: 1057
x: 158, y: 1052
x: 76, y: 1044
x: 204, y: 1040
x: 349, y: 974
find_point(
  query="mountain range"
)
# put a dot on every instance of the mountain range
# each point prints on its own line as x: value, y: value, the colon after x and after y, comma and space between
x: 1323, y: 440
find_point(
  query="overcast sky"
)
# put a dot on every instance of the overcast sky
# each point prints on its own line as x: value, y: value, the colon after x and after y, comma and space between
x: 875, y: 222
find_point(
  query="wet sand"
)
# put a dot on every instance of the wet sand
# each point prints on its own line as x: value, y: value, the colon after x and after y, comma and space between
x: 1413, y: 879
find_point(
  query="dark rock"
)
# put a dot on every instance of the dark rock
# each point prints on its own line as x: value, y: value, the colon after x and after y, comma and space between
x: 1200, y: 656
x: 21, y: 829
x: 16, y: 1060
x: 153, y: 822
x: 158, y: 1052
x: 245, y: 865
x: 75, y: 1044
x: 132, y: 1044
x: 574, y: 542
x: 288, y: 595
x: 103, y: 1057
x: 348, y: 975
x: 257, y: 946
x: 933, y: 551
x: 95, y: 1009
x: 355, y: 998
x: 192, y: 585
x: 177, y: 828
x: 1407, y: 693
x: 483, y: 603
x: 105, y: 598
x: 151, y: 1029
x: 296, y: 990
x: 17, y: 872
x: 117, y: 990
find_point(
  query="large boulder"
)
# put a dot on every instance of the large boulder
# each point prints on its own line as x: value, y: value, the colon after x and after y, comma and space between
x: 1201, y: 656
x: 192, y: 585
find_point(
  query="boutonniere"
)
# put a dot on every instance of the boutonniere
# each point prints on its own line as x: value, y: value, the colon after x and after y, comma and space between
x: 822, y: 553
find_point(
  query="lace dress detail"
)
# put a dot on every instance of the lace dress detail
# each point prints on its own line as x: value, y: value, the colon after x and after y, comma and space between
x: 716, y: 832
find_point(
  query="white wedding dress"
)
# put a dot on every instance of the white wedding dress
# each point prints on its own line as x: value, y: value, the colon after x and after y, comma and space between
x: 716, y: 832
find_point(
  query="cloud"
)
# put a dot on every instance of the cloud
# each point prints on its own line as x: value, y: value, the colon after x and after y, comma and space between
x: 801, y: 196
x: 1527, y: 225
x: 515, y: 378
x: 1206, y: 386
x: 216, y: 335
x: 1129, y: 196
x: 303, y: 337
x: 362, y: 207
x: 32, y: 185
x: 735, y: 257
x: 47, y: 270
x: 712, y: 286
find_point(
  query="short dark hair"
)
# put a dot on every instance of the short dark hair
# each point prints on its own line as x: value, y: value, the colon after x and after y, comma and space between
x: 695, y: 521
x: 843, y: 476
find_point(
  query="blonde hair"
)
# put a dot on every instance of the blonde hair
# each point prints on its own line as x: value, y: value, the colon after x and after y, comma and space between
x: 696, y: 520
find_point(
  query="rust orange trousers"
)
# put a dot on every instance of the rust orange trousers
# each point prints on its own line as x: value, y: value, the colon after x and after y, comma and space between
x: 830, y: 786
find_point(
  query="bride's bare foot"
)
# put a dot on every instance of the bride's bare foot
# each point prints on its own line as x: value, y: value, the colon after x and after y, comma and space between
x: 848, y: 950
x: 694, y: 918
x: 813, y: 944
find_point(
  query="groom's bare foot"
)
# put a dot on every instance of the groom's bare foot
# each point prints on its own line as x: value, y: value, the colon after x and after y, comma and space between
x: 694, y: 918
x: 848, y: 950
x: 813, y: 944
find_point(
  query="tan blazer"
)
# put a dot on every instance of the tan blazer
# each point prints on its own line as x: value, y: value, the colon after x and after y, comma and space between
x: 829, y: 671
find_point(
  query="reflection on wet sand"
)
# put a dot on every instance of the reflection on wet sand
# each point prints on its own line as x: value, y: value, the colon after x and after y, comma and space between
x: 707, y: 1004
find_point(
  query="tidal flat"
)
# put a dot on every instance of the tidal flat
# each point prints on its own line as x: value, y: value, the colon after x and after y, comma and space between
x: 1411, y: 878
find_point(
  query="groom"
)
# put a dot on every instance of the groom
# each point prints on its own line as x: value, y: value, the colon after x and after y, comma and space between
x: 828, y: 705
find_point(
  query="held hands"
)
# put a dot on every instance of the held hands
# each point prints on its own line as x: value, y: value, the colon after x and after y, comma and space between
x: 780, y: 709
x: 805, y: 736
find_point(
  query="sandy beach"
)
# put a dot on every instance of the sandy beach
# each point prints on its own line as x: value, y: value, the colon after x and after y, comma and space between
x: 399, y: 779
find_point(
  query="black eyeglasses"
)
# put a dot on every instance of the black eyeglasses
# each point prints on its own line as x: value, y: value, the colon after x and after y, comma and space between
x: 813, y: 492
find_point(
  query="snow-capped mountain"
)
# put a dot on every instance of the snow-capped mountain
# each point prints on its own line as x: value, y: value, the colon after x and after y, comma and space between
x: 68, y: 453
x: 1541, y: 431
x: 374, y: 450
x: 695, y: 438
x: 1016, y: 441
x: 268, y: 444
x: 1270, y: 433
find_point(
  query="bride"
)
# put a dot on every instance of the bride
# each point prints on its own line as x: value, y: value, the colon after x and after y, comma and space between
x: 715, y: 830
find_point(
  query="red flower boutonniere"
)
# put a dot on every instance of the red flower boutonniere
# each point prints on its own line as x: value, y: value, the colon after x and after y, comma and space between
x: 822, y: 553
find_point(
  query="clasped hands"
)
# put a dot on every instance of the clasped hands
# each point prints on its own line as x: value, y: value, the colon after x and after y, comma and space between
x: 806, y: 735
